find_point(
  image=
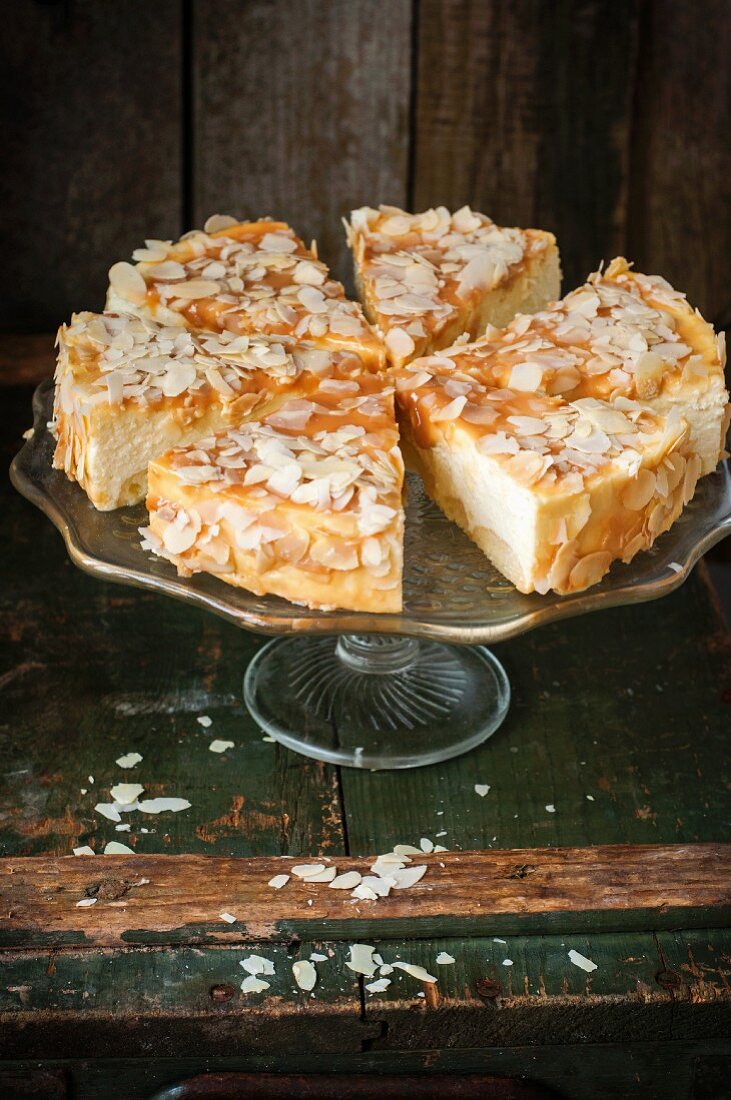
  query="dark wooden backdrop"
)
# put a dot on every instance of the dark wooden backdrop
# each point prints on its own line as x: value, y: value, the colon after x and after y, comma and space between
x: 606, y: 121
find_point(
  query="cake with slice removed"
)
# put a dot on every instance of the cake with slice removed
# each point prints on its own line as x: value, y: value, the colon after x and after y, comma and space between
x: 243, y: 277
x: 575, y: 437
x: 304, y: 503
x: 425, y: 279
x: 128, y: 388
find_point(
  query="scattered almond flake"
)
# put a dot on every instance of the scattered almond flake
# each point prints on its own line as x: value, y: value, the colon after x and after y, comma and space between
x: 305, y: 974
x: 142, y: 882
x: 307, y: 870
x: 590, y: 797
x: 84, y: 850
x: 443, y: 833
x: 129, y: 760
x: 507, y: 962
x: 271, y: 740
x: 581, y: 961
x: 125, y: 793
x: 123, y: 828
x: 408, y: 876
x: 417, y: 972
x: 482, y: 789
x: 228, y: 917
x: 364, y: 893
x: 108, y: 810
x: 444, y: 959
x: 253, y: 985
x: 440, y: 848
x: 496, y: 939
x: 90, y: 778
x: 346, y: 881
x: 28, y: 433
x: 326, y: 875
x: 385, y: 968
x: 114, y: 848
x: 426, y: 845
x: 406, y: 850
x: 675, y: 566
x: 379, y: 986
x: 204, y: 720
x: 82, y: 790
x: 278, y: 881
x: 550, y: 808
x: 220, y: 746
x: 316, y: 957
x: 86, y: 902
x: 158, y: 805
x: 257, y: 964
x: 361, y: 959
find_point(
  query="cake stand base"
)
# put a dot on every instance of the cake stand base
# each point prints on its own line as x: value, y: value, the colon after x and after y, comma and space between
x: 376, y: 701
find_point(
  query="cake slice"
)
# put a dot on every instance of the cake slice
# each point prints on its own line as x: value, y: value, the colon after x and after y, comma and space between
x: 244, y: 277
x: 304, y: 503
x: 128, y: 388
x: 574, y: 437
x: 425, y: 279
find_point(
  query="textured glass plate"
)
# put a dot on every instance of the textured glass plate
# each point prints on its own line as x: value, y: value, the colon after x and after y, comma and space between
x: 450, y: 589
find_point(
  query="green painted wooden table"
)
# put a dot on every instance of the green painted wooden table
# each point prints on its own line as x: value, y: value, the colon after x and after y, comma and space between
x: 619, y: 722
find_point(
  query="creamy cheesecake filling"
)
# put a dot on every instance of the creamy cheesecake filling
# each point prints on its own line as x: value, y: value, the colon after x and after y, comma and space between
x: 426, y: 278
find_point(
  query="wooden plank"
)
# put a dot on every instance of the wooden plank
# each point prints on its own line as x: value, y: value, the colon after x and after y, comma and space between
x: 92, y: 160
x: 618, y: 721
x: 561, y: 889
x: 681, y: 171
x: 300, y: 111
x: 519, y: 115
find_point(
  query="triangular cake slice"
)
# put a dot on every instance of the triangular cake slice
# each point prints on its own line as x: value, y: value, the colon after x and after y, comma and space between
x: 128, y: 388
x: 425, y: 279
x: 304, y: 503
x: 575, y: 437
x: 243, y: 277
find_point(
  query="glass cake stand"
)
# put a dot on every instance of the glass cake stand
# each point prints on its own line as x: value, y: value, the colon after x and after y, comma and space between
x: 360, y: 689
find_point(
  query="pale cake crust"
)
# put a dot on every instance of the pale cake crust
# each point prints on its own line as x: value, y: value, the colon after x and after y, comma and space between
x: 244, y: 277
x: 304, y: 504
x: 425, y: 279
x: 575, y: 437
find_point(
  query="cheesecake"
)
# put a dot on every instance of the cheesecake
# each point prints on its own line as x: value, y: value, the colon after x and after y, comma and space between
x: 303, y: 503
x: 574, y: 437
x: 128, y: 388
x: 425, y: 279
x: 245, y: 278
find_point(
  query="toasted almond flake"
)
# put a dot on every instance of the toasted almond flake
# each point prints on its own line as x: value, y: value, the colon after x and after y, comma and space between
x: 84, y: 850
x: 86, y: 902
x: 229, y: 918
x: 582, y: 962
x: 415, y: 971
x: 220, y: 746
x: 257, y: 964
x: 399, y: 343
x: 639, y: 492
x: 305, y: 974
x: 217, y: 222
x: 482, y: 789
x: 525, y: 377
x: 252, y: 984
x: 129, y: 760
x: 126, y: 281
x: 361, y: 959
x: 125, y: 793
x: 204, y: 720
x: 444, y: 959
x: 379, y: 986
x: 114, y: 848
x: 194, y: 289
x: 278, y: 881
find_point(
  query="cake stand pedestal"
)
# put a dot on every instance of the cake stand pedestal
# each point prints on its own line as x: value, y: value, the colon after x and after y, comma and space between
x: 365, y: 690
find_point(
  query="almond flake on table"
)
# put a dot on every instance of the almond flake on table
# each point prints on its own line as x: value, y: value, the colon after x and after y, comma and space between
x: 361, y: 959
x: 114, y: 848
x: 379, y: 986
x: 307, y: 870
x: 125, y: 793
x: 426, y: 845
x: 316, y: 957
x: 253, y: 984
x: 507, y: 962
x: 407, y: 850
x: 123, y: 828
x: 496, y: 939
x: 346, y: 881
x: 550, y: 808
x: 590, y: 797
x: 228, y: 917
x: 385, y: 968
x: 415, y: 971
x: 482, y: 789
x: 364, y: 893
x: 257, y: 964
x: 220, y: 746
x: 305, y: 974
x: 327, y: 874
x: 204, y: 720
x: 108, y: 810
x: 84, y: 850
x: 444, y: 959
x: 86, y: 902
x: 278, y: 881
x: 158, y: 805
x: 582, y: 962
x: 408, y: 877
x: 271, y: 740
x: 129, y: 760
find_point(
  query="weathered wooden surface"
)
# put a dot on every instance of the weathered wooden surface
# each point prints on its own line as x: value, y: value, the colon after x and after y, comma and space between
x: 92, y: 137
x: 164, y: 899
x: 300, y: 111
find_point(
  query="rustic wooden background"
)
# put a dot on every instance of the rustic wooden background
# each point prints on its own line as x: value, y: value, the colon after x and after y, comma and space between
x: 606, y: 121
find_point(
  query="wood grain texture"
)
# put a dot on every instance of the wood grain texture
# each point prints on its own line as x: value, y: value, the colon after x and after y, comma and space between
x: 681, y: 167
x: 92, y: 136
x: 524, y: 111
x: 562, y: 889
x: 300, y: 111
